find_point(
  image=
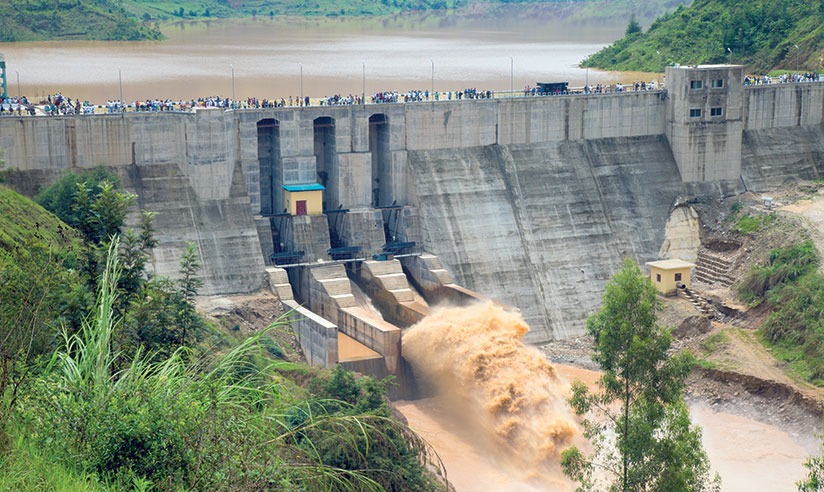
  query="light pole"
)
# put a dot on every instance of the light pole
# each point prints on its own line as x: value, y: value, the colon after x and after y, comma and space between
x: 363, y: 86
x: 511, y: 76
x: 658, y: 70
x: 120, y: 78
x: 796, y: 58
x: 729, y: 57
x: 301, y: 84
x: 232, y: 66
x: 432, y: 92
x: 586, y: 83
x: 18, y: 87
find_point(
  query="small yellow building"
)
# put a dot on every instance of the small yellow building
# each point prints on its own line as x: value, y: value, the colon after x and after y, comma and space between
x: 303, y: 199
x: 666, y: 274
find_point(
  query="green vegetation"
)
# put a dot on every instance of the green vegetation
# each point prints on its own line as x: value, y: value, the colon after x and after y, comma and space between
x: 110, y: 380
x: 762, y: 34
x: 790, y: 282
x: 656, y: 448
x: 714, y: 341
x: 814, y: 481
x: 26, y: 20
x: 29, y: 20
x: 784, y: 265
x: 169, y: 10
x: 130, y: 20
x: 749, y: 224
x: 704, y: 363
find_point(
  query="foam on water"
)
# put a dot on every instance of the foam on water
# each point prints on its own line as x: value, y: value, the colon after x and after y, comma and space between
x: 500, y: 391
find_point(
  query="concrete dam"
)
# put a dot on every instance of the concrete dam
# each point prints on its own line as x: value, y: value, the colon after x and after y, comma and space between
x: 532, y: 201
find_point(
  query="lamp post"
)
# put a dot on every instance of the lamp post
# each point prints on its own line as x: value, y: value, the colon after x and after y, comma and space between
x: 432, y: 91
x: 232, y: 66
x: 796, y: 58
x: 301, y: 84
x: 586, y: 83
x: 120, y: 78
x: 729, y: 56
x: 658, y: 70
x: 363, y: 86
x: 511, y: 76
x: 18, y: 87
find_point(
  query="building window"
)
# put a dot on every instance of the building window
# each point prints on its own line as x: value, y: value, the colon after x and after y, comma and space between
x: 658, y: 277
x: 716, y: 111
x: 696, y: 84
x: 677, y: 277
x: 695, y: 113
x: 717, y: 83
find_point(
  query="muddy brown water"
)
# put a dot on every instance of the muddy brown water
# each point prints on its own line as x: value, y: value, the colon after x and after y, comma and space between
x: 462, y: 421
x: 336, y: 56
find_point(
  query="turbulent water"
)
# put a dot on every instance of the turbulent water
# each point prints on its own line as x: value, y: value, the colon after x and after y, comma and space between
x: 501, y: 392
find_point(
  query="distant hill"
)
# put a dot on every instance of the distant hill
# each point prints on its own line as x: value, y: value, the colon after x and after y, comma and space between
x: 30, y: 20
x: 762, y: 34
x: 27, y: 20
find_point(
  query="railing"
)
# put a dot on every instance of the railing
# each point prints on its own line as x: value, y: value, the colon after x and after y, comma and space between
x: 13, y: 109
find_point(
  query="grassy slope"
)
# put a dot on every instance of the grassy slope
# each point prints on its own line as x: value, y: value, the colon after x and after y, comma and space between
x: 761, y: 33
x: 23, y: 222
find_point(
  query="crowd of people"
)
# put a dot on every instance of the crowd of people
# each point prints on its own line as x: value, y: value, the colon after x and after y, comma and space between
x: 13, y: 105
x: 58, y: 104
x: 783, y: 78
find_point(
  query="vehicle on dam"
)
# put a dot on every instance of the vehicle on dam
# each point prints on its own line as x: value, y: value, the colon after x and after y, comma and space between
x: 552, y: 88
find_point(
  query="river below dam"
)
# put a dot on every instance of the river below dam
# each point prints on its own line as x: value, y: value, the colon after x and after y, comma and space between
x: 748, y: 454
x: 277, y: 57
x: 497, y: 417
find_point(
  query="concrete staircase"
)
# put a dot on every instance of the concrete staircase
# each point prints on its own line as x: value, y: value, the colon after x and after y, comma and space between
x: 701, y: 304
x: 713, y: 268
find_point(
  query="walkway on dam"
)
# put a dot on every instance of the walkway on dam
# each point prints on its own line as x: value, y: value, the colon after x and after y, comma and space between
x: 63, y: 106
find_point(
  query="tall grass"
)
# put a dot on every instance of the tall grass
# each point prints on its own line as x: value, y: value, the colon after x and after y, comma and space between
x: 192, y: 423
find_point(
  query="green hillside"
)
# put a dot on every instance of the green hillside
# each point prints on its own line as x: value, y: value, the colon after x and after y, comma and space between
x: 172, y: 9
x: 762, y: 34
x: 29, y: 20
x: 23, y: 222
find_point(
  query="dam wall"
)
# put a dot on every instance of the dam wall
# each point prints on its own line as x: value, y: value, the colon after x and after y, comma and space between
x: 783, y: 137
x: 531, y: 201
x: 543, y: 227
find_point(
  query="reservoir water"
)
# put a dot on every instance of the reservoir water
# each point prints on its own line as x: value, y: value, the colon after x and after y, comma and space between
x: 265, y: 58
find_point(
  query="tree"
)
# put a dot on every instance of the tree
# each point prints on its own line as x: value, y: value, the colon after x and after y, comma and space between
x: 640, y: 400
x: 633, y: 27
x: 189, y: 283
x: 814, y: 482
x: 134, y: 254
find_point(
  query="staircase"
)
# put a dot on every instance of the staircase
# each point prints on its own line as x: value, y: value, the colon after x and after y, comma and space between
x: 703, y: 305
x: 713, y: 268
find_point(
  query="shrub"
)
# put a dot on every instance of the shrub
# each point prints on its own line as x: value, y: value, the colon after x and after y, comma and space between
x: 783, y: 266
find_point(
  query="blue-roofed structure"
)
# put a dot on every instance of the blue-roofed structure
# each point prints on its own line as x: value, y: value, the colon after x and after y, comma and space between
x: 304, y: 187
x: 303, y: 199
